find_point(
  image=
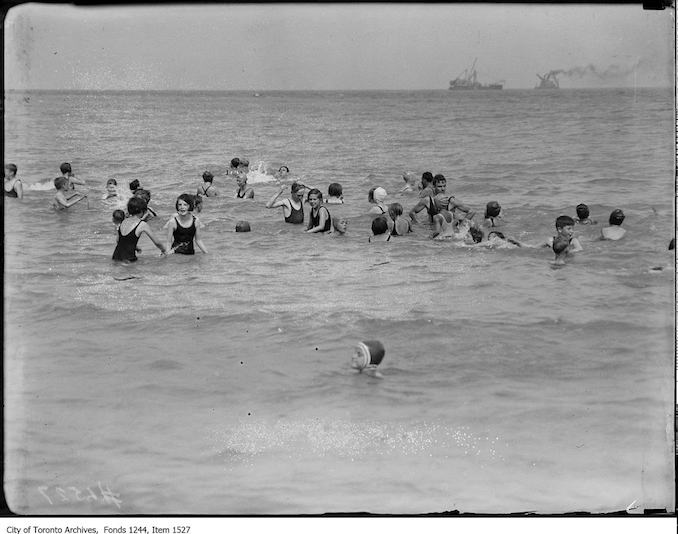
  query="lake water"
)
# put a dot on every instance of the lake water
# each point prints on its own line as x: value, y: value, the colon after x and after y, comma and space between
x: 221, y: 383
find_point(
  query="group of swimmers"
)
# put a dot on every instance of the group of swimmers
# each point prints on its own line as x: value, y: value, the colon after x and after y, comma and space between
x: 449, y: 217
x: 452, y: 219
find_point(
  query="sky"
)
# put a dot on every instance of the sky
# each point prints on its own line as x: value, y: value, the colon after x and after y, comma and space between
x: 351, y: 46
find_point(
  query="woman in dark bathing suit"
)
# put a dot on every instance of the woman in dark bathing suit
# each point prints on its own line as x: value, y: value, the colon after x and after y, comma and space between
x: 293, y: 208
x: 130, y: 231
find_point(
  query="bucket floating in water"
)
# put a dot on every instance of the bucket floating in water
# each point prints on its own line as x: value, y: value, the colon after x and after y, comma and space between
x: 367, y: 354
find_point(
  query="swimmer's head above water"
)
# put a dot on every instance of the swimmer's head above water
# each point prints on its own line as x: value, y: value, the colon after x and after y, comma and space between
x: 617, y: 217
x: 297, y: 190
x: 492, y: 209
x: 395, y: 210
x: 60, y: 182
x: 118, y: 216
x: 340, y: 225
x: 242, y: 226
x: 379, y: 194
x: 136, y: 205
x: 379, y: 225
x: 188, y: 199
x: 366, y: 356
x: 582, y: 211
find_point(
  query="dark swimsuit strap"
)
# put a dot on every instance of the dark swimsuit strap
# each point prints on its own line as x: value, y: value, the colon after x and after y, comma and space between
x: 132, y: 230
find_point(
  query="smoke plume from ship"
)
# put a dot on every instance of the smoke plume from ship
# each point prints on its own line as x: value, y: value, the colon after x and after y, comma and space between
x: 611, y: 73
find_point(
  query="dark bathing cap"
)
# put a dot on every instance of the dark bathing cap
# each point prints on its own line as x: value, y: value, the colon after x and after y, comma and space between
x: 616, y: 217
x: 242, y: 226
x: 492, y: 209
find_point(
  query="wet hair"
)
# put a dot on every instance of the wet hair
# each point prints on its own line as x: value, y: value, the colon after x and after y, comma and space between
x: 560, y: 244
x: 564, y: 220
x: 439, y: 178
x: 65, y: 167
x: 427, y: 177
x: 582, y: 211
x: 379, y: 225
x: 207, y: 176
x: 118, y: 216
x: 143, y: 193
x: 296, y: 186
x: 476, y: 234
x: 370, y: 194
x: 492, y: 209
x: 672, y: 244
x: 314, y: 191
x: 335, y: 190
x: 12, y: 168
x: 242, y: 226
x: 189, y: 199
x: 111, y: 181
x: 395, y: 209
x: 136, y: 205
x: 235, y: 162
x: 284, y: 167
x: 134, y: 185
x: 617, y: 217
x: 498, y: 234
x: 60, y: 182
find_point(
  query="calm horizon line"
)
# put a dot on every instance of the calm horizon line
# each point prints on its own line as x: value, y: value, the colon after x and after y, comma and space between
x: 260, y: 91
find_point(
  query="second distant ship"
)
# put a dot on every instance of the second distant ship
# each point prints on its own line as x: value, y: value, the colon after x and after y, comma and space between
x: 469, y: 80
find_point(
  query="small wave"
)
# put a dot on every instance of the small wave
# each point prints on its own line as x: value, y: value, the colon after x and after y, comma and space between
x: 41, y: 186
x: 165, y: 365
x: 321, y: 437
x: 261, y: 173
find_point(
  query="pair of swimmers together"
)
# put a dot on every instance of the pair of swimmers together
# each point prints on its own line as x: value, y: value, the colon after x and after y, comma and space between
x: 207, y: 189
x: 183, y: 229
x: 320, y: 219
x: 66, y: 194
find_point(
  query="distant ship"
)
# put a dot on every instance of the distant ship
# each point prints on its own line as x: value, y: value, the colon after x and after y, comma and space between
x: 548, y: 81
x: 469, y: 80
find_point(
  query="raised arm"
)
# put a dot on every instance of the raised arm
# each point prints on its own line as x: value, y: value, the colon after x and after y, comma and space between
x: 274, y: 201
